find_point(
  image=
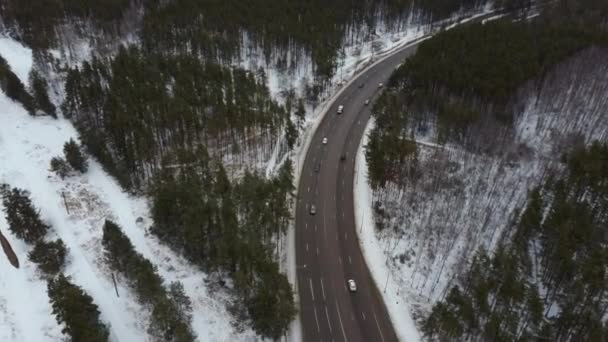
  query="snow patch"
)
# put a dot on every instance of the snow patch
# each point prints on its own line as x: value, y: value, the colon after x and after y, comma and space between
x: 18, y: 57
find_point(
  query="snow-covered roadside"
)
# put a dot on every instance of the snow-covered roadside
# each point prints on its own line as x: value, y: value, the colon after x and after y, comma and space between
x: 398, y: 309
x: 26, y: 146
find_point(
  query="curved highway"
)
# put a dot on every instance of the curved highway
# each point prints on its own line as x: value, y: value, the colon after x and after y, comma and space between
x: 327, y: 248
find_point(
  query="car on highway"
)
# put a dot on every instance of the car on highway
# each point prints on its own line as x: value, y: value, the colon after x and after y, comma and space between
x: 380, y: 85
x: 366, y: 102
x: 317, y: 168
x: 340, y: 109
x: 313, y: 209
x: 343, y: 157
x: 352, y: 286
x: 361, y: 85
x: 324, y: 141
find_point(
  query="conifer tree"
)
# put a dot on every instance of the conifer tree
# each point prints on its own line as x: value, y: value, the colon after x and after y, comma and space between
x: 21, y: 215
x: 60, y: 167
x: 75, y: 309
x: 50, y: 256
x: 74, y: 156
x: 41, y: 96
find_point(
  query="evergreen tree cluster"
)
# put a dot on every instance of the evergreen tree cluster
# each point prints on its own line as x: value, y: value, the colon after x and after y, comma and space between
x: 50, y: 256
x: 12, y: 86
x: 213, y: 29
x: 41, y: 94
x: 22, y: 217
x: 171, y: 310
x: 232, y: 230
x: 72, y: 306
x: 75, y: 157
x: 36, y: 21
x: 461, y: 80
x: 481, y: 63
x: 548, y: 279
x: 76, y: 310
x: 137, y: 108
x: 74, y: 160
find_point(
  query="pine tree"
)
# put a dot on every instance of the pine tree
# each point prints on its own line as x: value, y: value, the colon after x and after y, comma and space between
x: 291, y: 134
x: 76, y: 309
x: 74, y: 156
x: 60, y: 167
x: 14, y: 88
x: 50, y: 256
x: 41, y: 96
x: 300, y: 113
x: 21, y: 215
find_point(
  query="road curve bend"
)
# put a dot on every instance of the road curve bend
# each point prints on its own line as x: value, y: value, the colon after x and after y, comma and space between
x: 327, y: 247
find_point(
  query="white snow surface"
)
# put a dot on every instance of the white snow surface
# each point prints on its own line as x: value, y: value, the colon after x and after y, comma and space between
x: 18, y: 57
x: 26, y: 146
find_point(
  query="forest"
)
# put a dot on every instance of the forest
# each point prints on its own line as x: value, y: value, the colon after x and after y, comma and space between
x: 233, y: 230
x: 213, y: 30
x: 463, y: 79
x: 547, y: 279
x: 133, y: 110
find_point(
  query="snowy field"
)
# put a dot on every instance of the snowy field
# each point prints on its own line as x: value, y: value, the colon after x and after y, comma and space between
x: 26, y: 146
x: 464, y: 200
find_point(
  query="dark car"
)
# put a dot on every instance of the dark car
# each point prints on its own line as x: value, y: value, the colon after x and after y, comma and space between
x: 317, y: 168
x: 343, y: 157
x: 361, y: 85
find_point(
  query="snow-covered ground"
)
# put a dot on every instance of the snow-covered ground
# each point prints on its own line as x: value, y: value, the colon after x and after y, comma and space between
x: 26, y: 146
x: 464, y: 200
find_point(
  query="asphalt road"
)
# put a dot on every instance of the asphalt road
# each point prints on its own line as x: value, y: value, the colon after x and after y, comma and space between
x: 327, y: 248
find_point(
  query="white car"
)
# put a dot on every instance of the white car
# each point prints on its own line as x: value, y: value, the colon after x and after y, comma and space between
x: 380, y: 85
x: 340, y: 109
x: 313, y: 209
x: 352, y: 286
x: 366, y: 102
x: 324, y: 141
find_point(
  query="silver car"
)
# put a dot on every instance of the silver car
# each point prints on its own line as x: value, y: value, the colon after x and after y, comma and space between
x: 313, y: 209
x: 352, y: 286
